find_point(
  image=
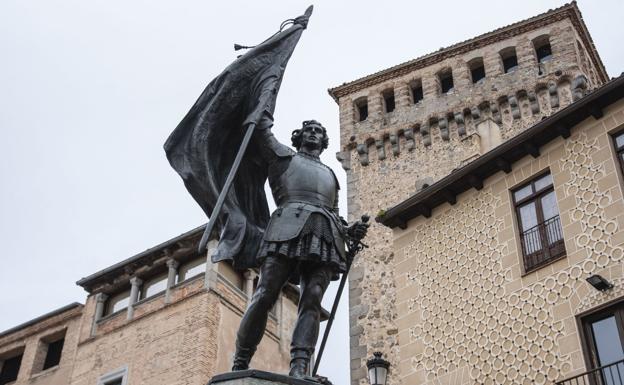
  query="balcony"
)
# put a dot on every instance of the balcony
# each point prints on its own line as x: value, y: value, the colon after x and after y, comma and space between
x: 612, y: 374
x: 542, y: 243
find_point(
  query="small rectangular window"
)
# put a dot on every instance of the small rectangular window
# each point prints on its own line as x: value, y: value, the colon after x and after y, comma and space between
x: 361, y: 109
x: 543, y: 52
x: 192, y: 269
x: 118, y: 302
x: 10, y: 369
x: 510, y: 60
x: 477, y: 70
x: 154, y: 286
x: 619, y: 148
x: 541, y: 236
x: 388, y: 97
x: 446, y: 81
x: 417, y: 92
x: 53, y: 354
x: 117, y: 377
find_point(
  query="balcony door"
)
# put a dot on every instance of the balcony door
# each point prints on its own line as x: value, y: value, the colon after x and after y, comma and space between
x: 541, y: 236
x: 604, y: 334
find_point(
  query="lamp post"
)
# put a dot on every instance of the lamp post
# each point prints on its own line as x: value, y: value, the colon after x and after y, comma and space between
x: 377, y: 369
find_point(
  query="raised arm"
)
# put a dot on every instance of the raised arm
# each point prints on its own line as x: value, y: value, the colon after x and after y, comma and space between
x: 270, y: 148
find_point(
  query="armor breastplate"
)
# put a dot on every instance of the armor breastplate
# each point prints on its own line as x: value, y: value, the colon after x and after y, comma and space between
x: 305, y: 180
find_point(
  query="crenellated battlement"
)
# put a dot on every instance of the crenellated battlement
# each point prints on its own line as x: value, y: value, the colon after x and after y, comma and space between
x: 391, y: 135
x: 470, y: 97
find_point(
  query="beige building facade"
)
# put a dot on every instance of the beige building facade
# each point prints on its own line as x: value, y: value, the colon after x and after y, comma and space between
x: 472, y: 305
x: 164, y: 316
x: 492, y: 168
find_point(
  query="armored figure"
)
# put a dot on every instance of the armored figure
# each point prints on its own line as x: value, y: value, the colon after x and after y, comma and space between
x: 304, y: 239
x: 303, y: 242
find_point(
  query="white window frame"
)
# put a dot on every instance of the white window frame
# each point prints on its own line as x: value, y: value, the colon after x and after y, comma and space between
x: 121, y: 373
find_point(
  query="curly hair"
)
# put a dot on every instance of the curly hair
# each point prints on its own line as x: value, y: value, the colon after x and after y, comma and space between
x: 297, y: 135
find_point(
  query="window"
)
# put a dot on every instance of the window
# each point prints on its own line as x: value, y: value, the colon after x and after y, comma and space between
x: 116, y: 377
x: 446, y: 81
x: 388, y: 97
x: 192, y: 269
x: 361, y: 109
x: 541, y: 236
x: 417, y: 91
x: 542, y: 49
x: 477, y: 70
x: 619, y: 147
x: 117, y: 302
x: 509, y: 58
x: 154, y: 286
x: 604, y: 343
x: 49, y: 350
x: 10, y: 368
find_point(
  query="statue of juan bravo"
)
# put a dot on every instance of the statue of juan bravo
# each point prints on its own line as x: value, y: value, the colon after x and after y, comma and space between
x: 303, y: 241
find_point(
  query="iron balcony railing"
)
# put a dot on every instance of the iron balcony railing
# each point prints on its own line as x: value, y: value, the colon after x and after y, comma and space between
x: 542, y: 243
x: 612, y: 374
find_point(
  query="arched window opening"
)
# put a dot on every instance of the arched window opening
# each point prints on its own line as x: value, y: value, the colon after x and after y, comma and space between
x: 510, y: 59
x: 445, y: 78
x: 477, y: 70
x: 361, y: 109
x: 542, y: 49
x: 388, y: 97
x: 417, y: 91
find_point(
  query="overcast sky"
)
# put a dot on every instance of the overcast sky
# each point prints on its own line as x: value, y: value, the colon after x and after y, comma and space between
x: 91, y: 90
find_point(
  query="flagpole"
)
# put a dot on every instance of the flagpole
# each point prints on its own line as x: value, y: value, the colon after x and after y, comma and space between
x: 226, y: 187
x: 354, y: 247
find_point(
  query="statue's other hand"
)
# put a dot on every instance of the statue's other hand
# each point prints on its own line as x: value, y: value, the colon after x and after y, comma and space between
x: 358, y: 230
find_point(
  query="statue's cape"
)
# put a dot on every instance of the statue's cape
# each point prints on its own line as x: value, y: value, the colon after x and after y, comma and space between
x: 203, y: 146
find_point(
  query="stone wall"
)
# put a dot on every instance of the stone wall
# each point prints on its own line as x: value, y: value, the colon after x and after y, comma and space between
x: 32, y: 339
x: 467, y: 312
x: 390, y: 156
x: 181, y: 339
x: 514, y: 100
x: 183, y: 342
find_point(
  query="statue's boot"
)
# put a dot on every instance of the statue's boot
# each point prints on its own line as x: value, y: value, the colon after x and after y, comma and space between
x: 242, y: 358
x: 299, y: 363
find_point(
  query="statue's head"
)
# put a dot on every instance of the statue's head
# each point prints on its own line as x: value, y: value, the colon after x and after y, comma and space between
x: 312, y: 134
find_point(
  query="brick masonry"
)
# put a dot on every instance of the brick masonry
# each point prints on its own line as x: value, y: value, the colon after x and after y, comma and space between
x: 181, y: 342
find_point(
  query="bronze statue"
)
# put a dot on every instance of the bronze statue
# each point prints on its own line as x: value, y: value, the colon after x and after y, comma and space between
x: 229, y: 128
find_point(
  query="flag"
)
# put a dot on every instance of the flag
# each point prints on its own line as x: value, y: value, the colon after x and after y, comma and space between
x: 203, y: 146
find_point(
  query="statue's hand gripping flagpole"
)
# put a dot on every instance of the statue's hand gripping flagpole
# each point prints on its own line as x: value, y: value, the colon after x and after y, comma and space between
x: 354, y: 246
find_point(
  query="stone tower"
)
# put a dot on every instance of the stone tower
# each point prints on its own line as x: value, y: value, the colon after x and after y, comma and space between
x: 405, y: 127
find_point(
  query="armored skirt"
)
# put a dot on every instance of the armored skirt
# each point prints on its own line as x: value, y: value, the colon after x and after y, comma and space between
x: 313, y: 245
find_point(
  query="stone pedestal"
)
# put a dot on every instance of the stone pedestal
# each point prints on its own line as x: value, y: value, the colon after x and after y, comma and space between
x: 257, y: 377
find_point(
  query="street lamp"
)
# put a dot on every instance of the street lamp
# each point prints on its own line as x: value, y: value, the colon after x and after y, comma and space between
x: 377, y: 369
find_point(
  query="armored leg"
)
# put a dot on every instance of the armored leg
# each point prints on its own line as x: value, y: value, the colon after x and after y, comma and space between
x: 274, y: 274
x: 313, y: 284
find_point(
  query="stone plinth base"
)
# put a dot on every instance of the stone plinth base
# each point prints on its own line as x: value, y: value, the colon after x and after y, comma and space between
x: 257, y: 377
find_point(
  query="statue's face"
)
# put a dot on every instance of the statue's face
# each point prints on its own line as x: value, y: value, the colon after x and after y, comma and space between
x: 312, y: 136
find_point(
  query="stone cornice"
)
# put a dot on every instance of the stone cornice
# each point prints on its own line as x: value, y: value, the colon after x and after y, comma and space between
x: 570, y: 11
x: 52, y: 318
x: 183, y: 244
